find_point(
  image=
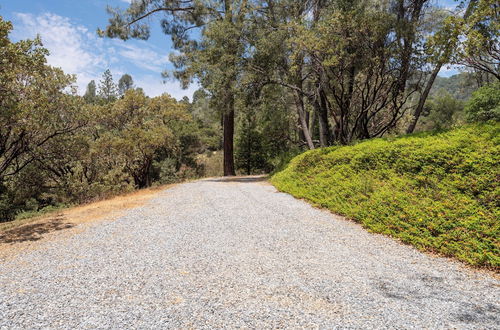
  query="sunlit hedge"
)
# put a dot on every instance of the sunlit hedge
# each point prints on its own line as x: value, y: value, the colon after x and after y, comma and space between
x: 436, y: 191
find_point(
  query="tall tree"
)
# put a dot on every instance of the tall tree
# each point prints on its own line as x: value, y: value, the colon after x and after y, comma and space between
x: 107, y: 87
x: 213, y: 61
x: 361, y: 57
x: 125, y: 83
x: 90, y: 95
x: 479, y: 28
x: 442, y: 48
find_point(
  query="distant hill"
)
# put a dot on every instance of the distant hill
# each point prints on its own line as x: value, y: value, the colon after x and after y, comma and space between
x: 460, y: 86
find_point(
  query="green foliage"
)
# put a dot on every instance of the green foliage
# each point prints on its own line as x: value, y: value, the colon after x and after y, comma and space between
x: 125, y: 83
x: 90, y: 95
x: 212, y: 163
x: 459, y: 86
x: 438, y: 192
x: 471, y: 39
x: 208, y: 119
x: 108, y: 91
x: 484, y: 104
x: 441, y: 112
x: 250, y: 156
x: 36, y: 107
x: 57, y: 148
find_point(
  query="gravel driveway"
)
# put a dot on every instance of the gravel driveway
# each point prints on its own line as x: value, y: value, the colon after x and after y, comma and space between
x: 236, y: 253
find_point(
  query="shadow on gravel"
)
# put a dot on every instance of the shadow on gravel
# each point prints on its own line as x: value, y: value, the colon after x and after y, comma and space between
x: 34, y: 232
x: 467, y: 313
x: 240, y: 179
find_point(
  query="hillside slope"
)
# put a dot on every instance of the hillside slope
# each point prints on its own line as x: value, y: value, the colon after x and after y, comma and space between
x: 436, y: 191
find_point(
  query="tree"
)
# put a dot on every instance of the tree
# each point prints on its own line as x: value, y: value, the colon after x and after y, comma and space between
x: 57, y: 149
x: 214, y: 60
x: 107, y: 88
x: 441, y: 46
x: 90, y: 95
x: 125, y: 83
x: 34, y: 106
x: 271, y: 62
x: 250, y: 153
x: 442, y: 111
x: 480, y: 29
x: 484, y: 104
x: 364, y: 56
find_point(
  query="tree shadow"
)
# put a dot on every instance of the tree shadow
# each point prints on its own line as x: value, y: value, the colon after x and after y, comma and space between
x: 34, y: 232
x: 240, y: 179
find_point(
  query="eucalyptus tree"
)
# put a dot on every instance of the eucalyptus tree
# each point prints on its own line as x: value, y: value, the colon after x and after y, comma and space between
x: 210, y: 55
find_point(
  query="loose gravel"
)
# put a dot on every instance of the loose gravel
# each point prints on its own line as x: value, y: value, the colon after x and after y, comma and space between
x: 221, y: 253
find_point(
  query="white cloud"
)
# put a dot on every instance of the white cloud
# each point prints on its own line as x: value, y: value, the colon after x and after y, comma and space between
x: 143, y: 57
x: 72, y: 47
x: 79, y: 51
x: 154, y: 85
x: 449, y: 70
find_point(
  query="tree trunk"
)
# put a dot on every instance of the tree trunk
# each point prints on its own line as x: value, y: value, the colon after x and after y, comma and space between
x: 299, y: 103
x: 423, y: 98
x: 228, y: 119
x: 312, y: 124
x: 324, y: 127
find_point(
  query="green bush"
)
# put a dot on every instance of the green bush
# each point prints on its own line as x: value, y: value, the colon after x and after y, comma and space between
x: 484, y: 104
x: 436, y: 191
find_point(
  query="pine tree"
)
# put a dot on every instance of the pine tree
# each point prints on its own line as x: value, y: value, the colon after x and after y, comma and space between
x: 107, y: 88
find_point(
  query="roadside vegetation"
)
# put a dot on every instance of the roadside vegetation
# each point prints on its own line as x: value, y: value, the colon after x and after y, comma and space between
x: 58, y: 148
x: 276, y: 78
x: 437, y: 191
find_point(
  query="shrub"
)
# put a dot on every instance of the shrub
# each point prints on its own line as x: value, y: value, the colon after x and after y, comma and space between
x: 436, y: 191
x: 484, y: 104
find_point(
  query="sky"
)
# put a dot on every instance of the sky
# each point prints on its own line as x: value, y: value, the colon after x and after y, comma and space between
x: 68, y: 31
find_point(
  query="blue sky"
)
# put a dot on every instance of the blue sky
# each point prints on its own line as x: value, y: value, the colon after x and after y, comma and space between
x: 67, y: 28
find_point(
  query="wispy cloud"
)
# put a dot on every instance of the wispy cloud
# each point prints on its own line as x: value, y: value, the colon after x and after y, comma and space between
x: 144, y: 57
x: 72, y: 47
x: 79, y: 51
x: 154, y: 85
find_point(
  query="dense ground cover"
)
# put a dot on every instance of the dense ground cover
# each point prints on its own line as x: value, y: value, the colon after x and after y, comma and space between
x: 437, y: 191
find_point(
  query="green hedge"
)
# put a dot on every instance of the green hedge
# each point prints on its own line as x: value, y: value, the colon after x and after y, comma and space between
x: 437, y: 191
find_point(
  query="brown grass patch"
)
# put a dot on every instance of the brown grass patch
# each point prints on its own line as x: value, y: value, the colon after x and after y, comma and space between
x: 34, y: 229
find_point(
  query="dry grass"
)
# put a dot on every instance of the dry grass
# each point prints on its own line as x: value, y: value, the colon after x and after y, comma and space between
x: 33, y: 229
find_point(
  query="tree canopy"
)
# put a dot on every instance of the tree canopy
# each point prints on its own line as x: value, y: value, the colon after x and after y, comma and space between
x: 276, y: 77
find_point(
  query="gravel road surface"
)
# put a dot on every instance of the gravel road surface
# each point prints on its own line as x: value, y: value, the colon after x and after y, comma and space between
x: 221, y: 253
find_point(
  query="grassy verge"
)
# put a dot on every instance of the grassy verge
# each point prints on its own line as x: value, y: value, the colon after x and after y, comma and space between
x: 437, y: 191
